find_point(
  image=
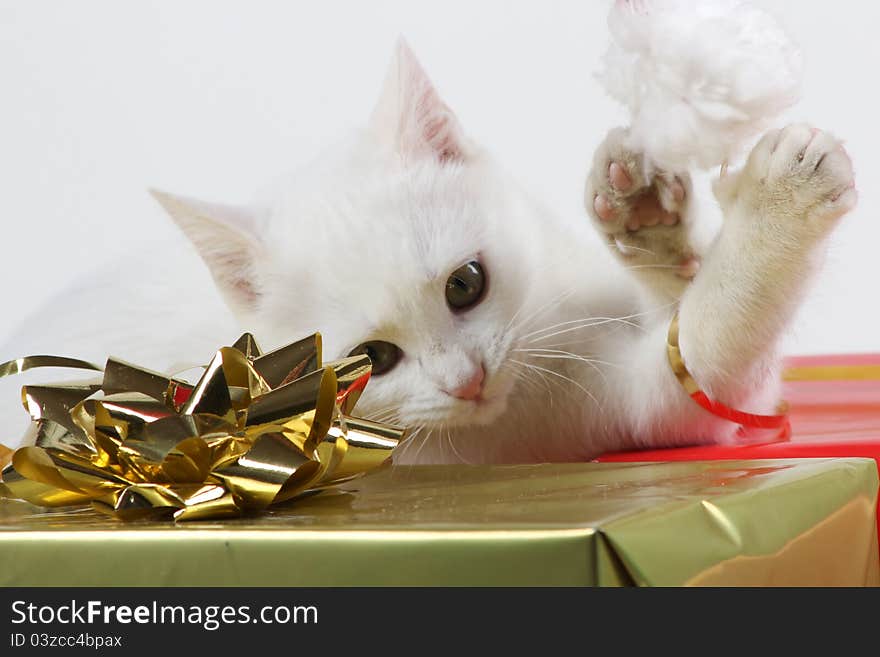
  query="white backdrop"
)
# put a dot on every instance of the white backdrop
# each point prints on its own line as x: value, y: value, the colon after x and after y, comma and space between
x: 101, y: 99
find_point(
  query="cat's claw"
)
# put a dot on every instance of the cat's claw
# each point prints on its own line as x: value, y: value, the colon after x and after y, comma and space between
x: 800, y: 174
x: 641, y: 213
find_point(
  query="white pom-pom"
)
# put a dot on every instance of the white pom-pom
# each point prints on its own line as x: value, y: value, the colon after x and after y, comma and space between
x: 700, y: 78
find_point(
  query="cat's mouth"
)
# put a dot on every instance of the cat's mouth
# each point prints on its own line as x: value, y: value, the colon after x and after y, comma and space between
x: 480, y: 410
x: 464, y: 413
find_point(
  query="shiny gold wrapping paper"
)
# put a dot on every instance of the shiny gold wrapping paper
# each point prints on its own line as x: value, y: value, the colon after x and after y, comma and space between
x: 780, y: 522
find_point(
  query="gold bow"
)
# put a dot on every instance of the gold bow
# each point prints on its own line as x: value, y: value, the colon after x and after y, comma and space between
x: 256, y: 429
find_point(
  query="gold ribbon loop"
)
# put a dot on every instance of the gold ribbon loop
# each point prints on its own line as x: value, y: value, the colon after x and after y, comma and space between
x: 290, y: 362
x: 254, y: 430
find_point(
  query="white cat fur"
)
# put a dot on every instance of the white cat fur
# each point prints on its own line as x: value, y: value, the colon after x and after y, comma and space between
x: 360, y: 244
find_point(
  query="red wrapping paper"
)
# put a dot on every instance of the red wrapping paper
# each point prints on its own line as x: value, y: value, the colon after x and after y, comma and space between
x: 834, y: 411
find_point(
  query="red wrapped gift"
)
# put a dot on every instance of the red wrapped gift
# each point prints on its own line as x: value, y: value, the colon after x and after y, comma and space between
x: 834, y: 408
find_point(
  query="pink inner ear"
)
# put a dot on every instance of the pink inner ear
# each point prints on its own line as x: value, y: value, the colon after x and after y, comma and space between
x: 413, y: 115
x: 438, y: 127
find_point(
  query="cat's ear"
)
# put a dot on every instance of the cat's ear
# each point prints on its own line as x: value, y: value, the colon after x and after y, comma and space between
x: 226, y: 238
x: 411, y: 115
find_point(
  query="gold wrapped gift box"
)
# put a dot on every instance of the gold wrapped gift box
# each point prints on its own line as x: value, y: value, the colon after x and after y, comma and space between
x: 781, y: 522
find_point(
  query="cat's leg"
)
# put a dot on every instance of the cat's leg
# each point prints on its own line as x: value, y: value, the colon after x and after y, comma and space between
x: 778, y: 212
x: 644, y: 215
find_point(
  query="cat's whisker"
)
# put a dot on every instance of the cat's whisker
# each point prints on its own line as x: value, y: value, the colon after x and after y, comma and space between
x: 513, y: 318
x: 623, y: 320
x: 455, y: 452
x: 415, y: 432
x: 387, y: 418
x: 520, y: 375
x: 611, y: 328
x: 569, y: 343
x: 383, y: 414
x: 554, y: 354
x: 422, y: 444
x: 586, y: 325
x: 391, y: 419
x: 442, y: 435
x: 546, y: 352
x: 382, y: 410
x: 564, y: 378
x: 407, y: 446
x: 528, y: 369
x: 593, y: 321
x: 510, y: 326
x: 629, y: 248
x: 659, y: 309
x: 551, y: 303
x: 658, y: 266
x: 544, y: 379
x: 524, y: 371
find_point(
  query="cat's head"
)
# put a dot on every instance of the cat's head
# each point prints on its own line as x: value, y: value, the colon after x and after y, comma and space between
x: 405, y: 242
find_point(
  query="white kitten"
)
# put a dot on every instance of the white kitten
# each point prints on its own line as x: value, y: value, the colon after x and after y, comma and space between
x: 500, y: 333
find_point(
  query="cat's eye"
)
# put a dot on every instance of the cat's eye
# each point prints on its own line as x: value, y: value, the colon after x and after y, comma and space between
x: 383, y: 355
x: 465, y: 286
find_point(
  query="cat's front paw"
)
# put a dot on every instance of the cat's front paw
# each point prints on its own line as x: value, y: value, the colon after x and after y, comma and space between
x: 801, y: 176
x: 641, y: 212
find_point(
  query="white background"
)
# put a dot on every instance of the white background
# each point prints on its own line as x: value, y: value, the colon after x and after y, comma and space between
x: 101, y: 99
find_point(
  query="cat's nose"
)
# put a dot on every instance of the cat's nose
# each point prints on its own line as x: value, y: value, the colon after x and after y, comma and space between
x: 473, y: 387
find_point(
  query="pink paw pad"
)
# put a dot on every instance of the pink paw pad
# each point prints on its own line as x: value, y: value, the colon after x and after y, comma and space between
x: 619, y: 178
x: 678, y: 191
x: 603, y: 208
x: 688, y: 268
